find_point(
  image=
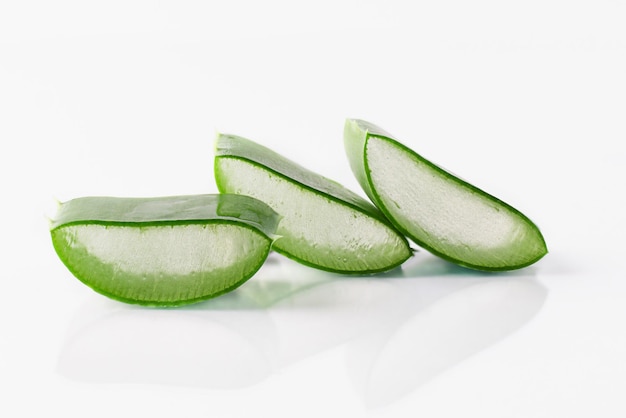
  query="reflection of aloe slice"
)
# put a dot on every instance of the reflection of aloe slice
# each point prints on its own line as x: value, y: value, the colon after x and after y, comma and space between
x: 163, y: 251
x: 432, y: 336
x: 193, y: 347
x: 440, y: 212
x: 323, y: 224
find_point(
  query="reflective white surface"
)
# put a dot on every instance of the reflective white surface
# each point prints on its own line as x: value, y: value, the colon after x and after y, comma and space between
x: 523, y: 100
x: 283, y: 317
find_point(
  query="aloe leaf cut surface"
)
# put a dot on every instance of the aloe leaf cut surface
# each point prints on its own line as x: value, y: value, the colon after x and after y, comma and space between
x: 437, y: 210
x: 163, y: 251
x: 323, y: 224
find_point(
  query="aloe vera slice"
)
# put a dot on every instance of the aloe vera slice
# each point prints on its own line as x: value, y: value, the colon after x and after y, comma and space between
x: 437, y: 210
x: 323, y: 225
x: 163, y: 251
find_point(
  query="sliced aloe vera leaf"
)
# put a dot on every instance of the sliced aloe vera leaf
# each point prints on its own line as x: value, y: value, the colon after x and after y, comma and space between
x: 163, y: 251
x: 323, y: 225
x: 437, y: 210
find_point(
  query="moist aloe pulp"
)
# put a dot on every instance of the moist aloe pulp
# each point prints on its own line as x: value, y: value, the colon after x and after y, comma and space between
x: 437, y: 210
x: 163, y: 251
x: 323, y: 225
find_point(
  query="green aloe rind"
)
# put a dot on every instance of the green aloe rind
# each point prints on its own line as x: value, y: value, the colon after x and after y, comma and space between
x: 163, y: 251
x: 437, y: 210
x: 324, y: 225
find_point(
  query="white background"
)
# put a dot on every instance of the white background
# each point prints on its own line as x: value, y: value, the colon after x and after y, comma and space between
x: 526, y: 100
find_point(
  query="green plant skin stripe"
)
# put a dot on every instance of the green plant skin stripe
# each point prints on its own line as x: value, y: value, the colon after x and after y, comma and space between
x: 220, y: 215
x: 169, y: 209
x: 238, y: 148
x: 358, y: 133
